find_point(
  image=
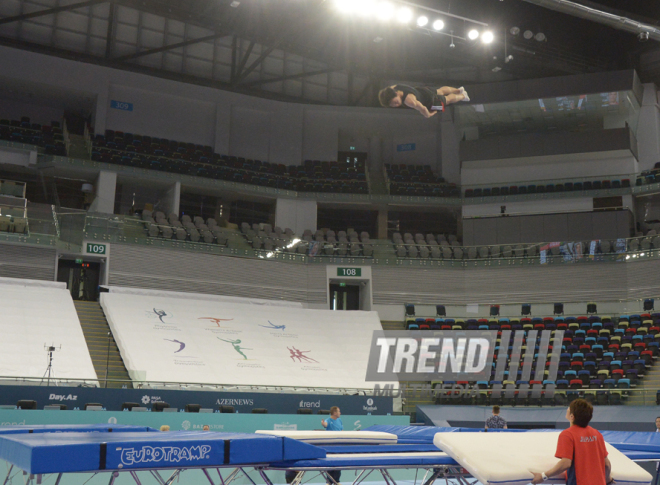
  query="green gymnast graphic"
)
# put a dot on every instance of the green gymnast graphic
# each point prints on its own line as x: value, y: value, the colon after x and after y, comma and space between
x: 237, y: 346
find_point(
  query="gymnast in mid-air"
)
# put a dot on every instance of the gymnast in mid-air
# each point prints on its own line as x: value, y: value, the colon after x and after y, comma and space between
x: 427, y: 100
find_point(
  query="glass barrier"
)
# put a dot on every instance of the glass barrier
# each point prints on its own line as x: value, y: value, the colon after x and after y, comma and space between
x: 587, y: 186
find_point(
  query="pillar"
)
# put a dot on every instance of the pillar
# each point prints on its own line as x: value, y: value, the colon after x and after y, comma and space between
x: 104, y: 193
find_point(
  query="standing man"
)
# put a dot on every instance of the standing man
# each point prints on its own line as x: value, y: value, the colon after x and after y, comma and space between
x: 496, y: 421
x: 581, y: 450
x: 333, y: 423
x: 428, y: 101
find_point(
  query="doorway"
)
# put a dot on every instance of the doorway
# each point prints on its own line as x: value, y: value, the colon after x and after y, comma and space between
x: 344, y: 297
x: 355, y: 160
x: 81, y: 278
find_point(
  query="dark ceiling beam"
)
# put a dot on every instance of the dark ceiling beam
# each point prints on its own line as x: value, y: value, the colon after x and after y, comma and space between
x: 50, y: 11
x: 241, y: 64
x: 242, y: 74
x: 169, y: 47
x: 110, y: 35
x: 287, y: 78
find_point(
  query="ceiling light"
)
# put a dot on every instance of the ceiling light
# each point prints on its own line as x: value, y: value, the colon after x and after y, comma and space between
x: 528, y: 34
x: 643, y: 36
x: 438, y: 25
x: 344, y: 5
x: 385, y: 11
x: 364, y: 7
x: 378, y: 39
x: 515, y: 30
x: 422, y: 21
x: 473, y: 34
x: 540, y: 37
x: 404, y: 15
x: 235, y: 4
x: 487, y: 37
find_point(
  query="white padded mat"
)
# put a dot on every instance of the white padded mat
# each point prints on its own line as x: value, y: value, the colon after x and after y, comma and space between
x: 337, y: 437
x: 36, y: 314
x: 508, y: 458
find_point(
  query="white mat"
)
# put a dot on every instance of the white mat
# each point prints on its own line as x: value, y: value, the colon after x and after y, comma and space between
x: 509, y: 458
x: 196, y: 341
x: 34, y: 315
x: 337, y: 437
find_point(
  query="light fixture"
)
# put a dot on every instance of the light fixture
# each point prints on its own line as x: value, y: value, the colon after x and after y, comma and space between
x: 235, y: 4
x: 487, y: 37
x: 514, y: 30
x: 344, y: 5
x: 540, y: 37
x: 452, y: 45
x: 473, y: 34
x: 364, y: 8
x: 404, y: 15
x: 528, y: 34
x: 385, y: 11
x: 378, y: 39
x: 438, y: 25
x: 643, y: 36
x: 422, y: 21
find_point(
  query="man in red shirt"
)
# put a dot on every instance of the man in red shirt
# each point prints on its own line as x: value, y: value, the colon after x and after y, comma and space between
x: 581, y: 451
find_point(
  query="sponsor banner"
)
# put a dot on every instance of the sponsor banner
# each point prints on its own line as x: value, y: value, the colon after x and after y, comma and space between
x: 243, y: 402
x: 230, y: 423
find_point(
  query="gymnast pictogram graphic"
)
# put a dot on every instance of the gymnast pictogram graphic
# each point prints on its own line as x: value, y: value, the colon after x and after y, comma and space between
x: 299, y: 354
x: 273, y: 326
x: 237, y: 346
x: 216, y: 320
x: 181, y: 345
x: 161, y: 314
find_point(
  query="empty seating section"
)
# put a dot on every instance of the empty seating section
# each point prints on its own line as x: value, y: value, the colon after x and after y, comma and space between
x: 323, y: 242
x: 541, y: 188
x: 418, y: 180
x: 157, y: 224
x: 197, y: 160
x: 49, y: 137
x: 602, y: 358
x: 36, y: 314
x: 427, y: 246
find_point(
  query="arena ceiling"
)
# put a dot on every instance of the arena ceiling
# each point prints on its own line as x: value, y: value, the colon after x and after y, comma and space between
x: 308, y: 51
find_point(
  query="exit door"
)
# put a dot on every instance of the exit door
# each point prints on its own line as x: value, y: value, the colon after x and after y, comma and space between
x: 344, y: 297
x: 82, y: 279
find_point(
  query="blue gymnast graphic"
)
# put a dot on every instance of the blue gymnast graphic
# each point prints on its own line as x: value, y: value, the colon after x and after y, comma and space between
x: 161, y: 314
x: 181, y: 344
x: 273, y: 326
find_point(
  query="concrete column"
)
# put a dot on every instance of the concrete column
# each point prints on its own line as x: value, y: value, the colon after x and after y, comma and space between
x: 449, y: 150
x: 101, y: 109
x: 104, y: 193
x: 296, y: 214
x: 375, y: 160
x: 172, y: 198
x: 648, y: 130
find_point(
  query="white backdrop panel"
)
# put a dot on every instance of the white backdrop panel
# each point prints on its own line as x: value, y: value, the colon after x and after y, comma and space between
x: 34, y: 315
x: 196, y: 341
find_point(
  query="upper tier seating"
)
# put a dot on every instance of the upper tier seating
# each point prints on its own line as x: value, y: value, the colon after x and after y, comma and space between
x: 49, y: 137
x: 549, y: 187
x: 198, y: 160
x: 418, y: 180
x: 322, y: 242
x: 185, y: 229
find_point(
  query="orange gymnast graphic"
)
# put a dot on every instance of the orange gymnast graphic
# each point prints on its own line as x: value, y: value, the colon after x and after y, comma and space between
x: 299, y: 354
x: 216, y: 320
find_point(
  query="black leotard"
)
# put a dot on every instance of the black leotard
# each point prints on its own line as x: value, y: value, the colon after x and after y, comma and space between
x: 424, y: 95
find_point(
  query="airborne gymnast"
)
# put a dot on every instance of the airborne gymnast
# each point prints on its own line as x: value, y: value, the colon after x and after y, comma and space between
x: 428, y: 101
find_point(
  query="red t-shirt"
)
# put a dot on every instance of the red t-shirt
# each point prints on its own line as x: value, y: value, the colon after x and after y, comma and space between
x: 586, y: 448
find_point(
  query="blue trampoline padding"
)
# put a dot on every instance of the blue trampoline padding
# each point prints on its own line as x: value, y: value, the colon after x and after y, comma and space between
x: 367, y: 462
x: 406, y: 448
x: 412, y: 434
x: 77, y: 452
x: 641, y: 455
x: 73, y: 428
x: 633, y: 440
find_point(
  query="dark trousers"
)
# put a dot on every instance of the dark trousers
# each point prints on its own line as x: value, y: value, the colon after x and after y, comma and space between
x: 335, y: 474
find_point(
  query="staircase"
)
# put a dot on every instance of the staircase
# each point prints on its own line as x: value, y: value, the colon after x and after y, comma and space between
x: 78, y: 147
x: 95, y: 328
x: 644, y: 393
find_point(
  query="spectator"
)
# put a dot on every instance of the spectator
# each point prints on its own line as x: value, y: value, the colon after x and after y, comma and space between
x: 206, y: 427
x: 657, y: 425
x: 333, y: 424
x: 581, y: 450
x: 165, y: 427
x: 496, y: 421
